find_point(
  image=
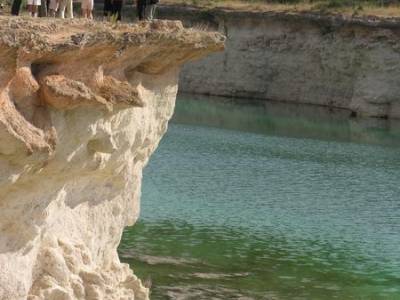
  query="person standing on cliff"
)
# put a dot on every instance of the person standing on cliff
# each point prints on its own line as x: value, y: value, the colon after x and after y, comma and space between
x: 87, y: 8
x: 66, y: 5
x: 151, y: 9
x: 116, y: 9
x: 141, y: 9
x: 33, y: 7
x: 113, y: 8
x: 53, y: 8
x: 16, y: 5
x: 107, y: 9
x: 146, y: 9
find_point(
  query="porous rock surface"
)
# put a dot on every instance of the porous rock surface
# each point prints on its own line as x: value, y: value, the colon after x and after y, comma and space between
x: 82, y: 107
x: 334, y: 61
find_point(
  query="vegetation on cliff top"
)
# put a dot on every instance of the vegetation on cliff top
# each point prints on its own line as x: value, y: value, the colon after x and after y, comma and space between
x: 380, y: 8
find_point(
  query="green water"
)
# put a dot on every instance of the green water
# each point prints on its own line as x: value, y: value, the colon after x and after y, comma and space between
x: 269, y: 201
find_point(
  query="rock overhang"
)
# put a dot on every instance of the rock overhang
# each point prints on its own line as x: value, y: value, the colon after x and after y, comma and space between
x: 64, y: 64
x: 82, y: 107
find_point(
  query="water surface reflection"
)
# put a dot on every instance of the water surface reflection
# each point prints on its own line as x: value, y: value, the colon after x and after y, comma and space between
x: 285, y: 119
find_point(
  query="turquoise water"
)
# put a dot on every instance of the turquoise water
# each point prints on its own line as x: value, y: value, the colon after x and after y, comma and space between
x: 269, y: 201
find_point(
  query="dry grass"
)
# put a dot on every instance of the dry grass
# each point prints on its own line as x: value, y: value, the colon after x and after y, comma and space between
x: 387, y: 11
x: 350, y: 8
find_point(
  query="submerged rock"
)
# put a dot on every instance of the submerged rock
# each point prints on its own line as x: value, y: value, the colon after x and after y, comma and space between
x: 82, y: 107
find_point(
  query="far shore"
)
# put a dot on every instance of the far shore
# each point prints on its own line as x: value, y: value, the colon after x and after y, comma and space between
x: 329, y: 7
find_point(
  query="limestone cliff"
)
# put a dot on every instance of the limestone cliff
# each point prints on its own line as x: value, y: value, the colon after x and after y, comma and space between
x: 82, y: 107
x: 351, y: 63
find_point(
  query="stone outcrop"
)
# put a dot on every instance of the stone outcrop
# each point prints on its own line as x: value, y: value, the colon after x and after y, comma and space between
x: 82, y: 107
x: 351, y: 63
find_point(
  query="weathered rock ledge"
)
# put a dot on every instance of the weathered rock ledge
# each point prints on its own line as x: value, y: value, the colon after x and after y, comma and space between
x: 82, y: 107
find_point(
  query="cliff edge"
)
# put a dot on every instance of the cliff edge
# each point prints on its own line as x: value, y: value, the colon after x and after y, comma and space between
x: 82, y: 107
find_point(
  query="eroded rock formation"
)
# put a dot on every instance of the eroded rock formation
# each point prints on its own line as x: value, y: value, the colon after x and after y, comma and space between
x: 82, y: 107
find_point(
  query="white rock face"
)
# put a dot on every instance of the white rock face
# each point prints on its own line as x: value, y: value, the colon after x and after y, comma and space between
x: 62, y: 218
x: 352, y: 64
x: 73, y: 147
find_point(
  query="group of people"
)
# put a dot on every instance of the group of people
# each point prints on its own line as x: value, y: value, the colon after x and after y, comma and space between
x: 45, y: 8
x: 64, y: 8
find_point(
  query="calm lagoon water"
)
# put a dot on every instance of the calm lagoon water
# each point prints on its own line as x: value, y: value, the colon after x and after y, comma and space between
x: 269, y: 201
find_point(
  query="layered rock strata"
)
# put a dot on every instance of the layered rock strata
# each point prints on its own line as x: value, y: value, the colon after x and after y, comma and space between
x: 82, y: 107
x: 335, y: 61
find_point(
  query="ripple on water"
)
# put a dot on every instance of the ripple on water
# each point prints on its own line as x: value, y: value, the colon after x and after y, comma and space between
x: 300, y: 218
